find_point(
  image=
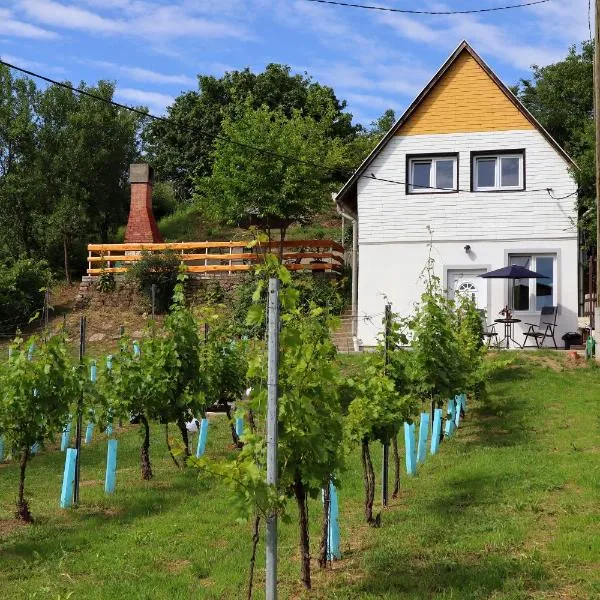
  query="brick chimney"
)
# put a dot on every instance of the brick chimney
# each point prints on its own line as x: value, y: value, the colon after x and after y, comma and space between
x: 141, y: 226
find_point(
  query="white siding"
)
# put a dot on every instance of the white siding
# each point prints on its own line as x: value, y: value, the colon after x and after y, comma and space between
x: 387, y: 214
x: 391, y: 271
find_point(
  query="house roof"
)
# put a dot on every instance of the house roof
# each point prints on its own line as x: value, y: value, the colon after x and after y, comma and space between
x: 346, y: 197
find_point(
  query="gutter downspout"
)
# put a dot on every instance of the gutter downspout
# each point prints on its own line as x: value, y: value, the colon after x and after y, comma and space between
x: 354, y: 222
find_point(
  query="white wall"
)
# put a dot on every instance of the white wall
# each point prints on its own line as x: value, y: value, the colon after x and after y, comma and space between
x: 386, y: 213
x: 395, y: 228
x: 393, y: 270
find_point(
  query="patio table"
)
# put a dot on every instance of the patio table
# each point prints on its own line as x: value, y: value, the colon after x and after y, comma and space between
x: 508, y: 331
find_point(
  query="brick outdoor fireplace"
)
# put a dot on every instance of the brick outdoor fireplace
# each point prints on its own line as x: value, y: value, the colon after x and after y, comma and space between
x: 141, y: 226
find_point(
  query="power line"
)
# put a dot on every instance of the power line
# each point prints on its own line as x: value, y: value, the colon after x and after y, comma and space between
x: 168, y: 120
x: 229, y: 140
x: 429, y: 12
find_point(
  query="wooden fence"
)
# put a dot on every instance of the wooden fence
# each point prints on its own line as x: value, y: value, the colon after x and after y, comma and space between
x: 220, y: 257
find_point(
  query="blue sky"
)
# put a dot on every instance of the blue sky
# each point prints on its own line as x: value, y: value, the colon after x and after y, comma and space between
x: 153, y: 49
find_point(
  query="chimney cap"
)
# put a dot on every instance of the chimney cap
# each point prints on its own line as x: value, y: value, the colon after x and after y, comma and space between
x: 141, y: 173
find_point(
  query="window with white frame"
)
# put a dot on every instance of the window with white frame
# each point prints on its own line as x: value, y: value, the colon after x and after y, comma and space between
x: 502, y: 171
x: 427, y: 174
x: 531, y: 295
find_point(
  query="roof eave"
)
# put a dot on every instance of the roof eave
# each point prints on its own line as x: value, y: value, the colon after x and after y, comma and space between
x: 464, y: 45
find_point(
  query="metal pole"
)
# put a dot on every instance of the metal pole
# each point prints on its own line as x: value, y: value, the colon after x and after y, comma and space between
x: 386, y: 444
x: 153, y: 290
x: 272, y: 379
x: 82, y: 326
x: 355, y: 277
x: 46, y: 308
x: 597, y: 121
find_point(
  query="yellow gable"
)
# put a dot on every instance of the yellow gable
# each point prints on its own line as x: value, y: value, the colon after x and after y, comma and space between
x: 465, y: 99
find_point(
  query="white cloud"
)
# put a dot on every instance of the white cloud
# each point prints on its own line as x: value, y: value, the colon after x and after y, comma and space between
x: 9, y: 26
x: 144, y: 75
x: 70, y: 17
x: 155, y: 22
x: 155, y: 102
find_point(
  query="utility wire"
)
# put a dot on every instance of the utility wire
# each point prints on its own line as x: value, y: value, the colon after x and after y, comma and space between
x: 149, y: 115
x: 429, y: 12
x: 349, y: 170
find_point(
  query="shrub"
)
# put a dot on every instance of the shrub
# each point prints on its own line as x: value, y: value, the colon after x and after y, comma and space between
x: 324, y: 292
x: 159, y: 269
x: 22, y: 286
x: 106, y: 282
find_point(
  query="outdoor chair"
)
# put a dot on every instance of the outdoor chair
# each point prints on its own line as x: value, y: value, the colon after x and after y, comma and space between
x: 544, y: 329
x: 489, y: 331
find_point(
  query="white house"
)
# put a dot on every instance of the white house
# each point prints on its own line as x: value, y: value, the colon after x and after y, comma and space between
x: 470, y: 171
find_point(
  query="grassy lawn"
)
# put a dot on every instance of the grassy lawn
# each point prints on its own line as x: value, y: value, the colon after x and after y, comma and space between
x: 508, y: 509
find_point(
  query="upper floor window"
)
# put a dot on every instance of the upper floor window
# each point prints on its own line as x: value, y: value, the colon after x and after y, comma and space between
x: 498, y: 171
x: 432, y: 173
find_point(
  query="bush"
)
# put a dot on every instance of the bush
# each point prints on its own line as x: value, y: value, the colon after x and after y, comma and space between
x: 22, y: 286
x: 159, y: 269
x: 323, y: 291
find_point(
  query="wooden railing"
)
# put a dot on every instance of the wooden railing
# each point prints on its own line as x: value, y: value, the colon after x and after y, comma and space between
x: 220, y: 257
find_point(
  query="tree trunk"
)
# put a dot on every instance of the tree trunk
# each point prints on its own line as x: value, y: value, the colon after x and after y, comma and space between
x: 169, y: 446
x: 396, y: 489
x: 145, y: 450
x: 66, y: 259
x: 23, y: 513
x: 234, y: 436
x: 323, y: 547
x: 251, y: 421
x: 282, y: 233
x: 255, y: 538
x: 184, y: 437
x: 300, y: 493
x: 369, y: 481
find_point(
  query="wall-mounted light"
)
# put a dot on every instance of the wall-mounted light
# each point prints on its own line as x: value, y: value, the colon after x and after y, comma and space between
x: 468, y: 248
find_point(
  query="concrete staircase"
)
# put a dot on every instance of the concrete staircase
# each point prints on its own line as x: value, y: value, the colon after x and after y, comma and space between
x: 342, y: 337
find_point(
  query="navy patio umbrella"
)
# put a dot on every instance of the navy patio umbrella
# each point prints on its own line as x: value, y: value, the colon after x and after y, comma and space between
x: 513, y: 272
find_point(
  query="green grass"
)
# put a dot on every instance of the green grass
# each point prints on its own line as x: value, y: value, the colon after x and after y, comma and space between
x: 507, y: 510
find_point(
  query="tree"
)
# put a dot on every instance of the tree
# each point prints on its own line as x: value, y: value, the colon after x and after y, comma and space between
x: 18, y: 177
x: 36, y: 398
x: 435, y: 366
x: 181, y: 149
x: 140, y: 385
x: 375, y: 413
x: 64, y: 161
x: 561, y: 97
x: 256, y: 187
x: 310, y: 448
x: 188, y: 376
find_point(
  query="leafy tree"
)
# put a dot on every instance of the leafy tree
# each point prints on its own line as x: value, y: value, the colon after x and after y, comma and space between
x: 22, y: 287
x: 310, y: 448
x: 64, y: 161
x: 189, y: 375
x: 435, y: 367
x: 36, y: 398
x: 181, y: 150
x: 376, y: 412
x: 561, y: 97
x: 273, y: 193
x: 140, y: 384
x: 18, y: 198
x: 224, y: 361
x: 469, y: 329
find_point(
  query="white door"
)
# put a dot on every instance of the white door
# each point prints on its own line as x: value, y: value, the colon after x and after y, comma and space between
x: 466, y: 282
